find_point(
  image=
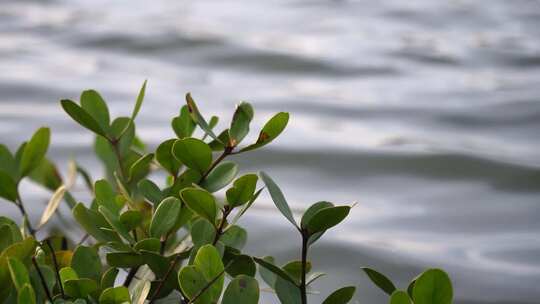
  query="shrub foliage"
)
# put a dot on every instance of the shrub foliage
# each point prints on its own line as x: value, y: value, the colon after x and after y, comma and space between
x: 172, y: 241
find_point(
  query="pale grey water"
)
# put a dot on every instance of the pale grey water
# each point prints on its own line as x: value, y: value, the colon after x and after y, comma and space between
x: 426, y: 113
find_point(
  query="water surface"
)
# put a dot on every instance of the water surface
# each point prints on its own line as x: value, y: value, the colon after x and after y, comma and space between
x: 426, y: 113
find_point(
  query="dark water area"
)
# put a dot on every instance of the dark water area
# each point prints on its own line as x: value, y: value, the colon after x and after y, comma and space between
x: 425, y: 113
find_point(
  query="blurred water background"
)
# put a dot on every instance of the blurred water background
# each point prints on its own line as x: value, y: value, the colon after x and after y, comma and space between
x: 426, y: 113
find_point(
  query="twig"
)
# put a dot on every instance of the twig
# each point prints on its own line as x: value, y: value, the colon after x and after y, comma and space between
x: 209, y: 284
x: 131, y: 274
x: 166, y: 276
x: 25, y: 217
x: 219, y: 231
x: 227, y: 151
x: 42, y: 279
x: 55, y: 263
x: 305, y: 238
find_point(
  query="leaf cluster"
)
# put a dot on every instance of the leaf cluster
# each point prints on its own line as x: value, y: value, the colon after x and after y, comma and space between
x: 177, y: 239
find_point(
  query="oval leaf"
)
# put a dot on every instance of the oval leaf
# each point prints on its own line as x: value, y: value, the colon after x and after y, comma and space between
x: 242, y: 190
x: 433, y: 287
x: 380, y: 280
x: 201, y: 202
x: 165, y: 217
x: 341, y: 296
x: 278, y: 198
x: 242, y: 290
x: 94, y: 105
x: 220, y: 176
x: 240, y: 123
x: 400, y: 297
x: 82, y: 117
x: 270, y: 131
x: 327, y: 218
x: 34, y: 151
x: 194, y: 153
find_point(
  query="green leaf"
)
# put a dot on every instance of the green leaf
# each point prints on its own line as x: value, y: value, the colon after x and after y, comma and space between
x: 49, y: 278
x: 8, y: 187
x: 287, y: 292
x: 115, y: 295
x: 192, y: 281
x: 109, y: 277
x: 220, y: 176
x: 308, y: 214
x: 92, y: 221
x: 47, y: 175
x: 208, y: 261
x: 278, y: 198
x: 400, y: 297
x: 141, y: 167
x: 19, y: 273
x: 22, y: 251
x: 219, y: 145
x: 201, y: 202
x: 433, y: 287
x: 16, y: 235
x: 131, y: 219
x: 240, y: 123
x: 270, y: 131
x: 165, y: 217
x: 242, y: 290
x: 124, y: 259
x: 151, y: 191
x: 294, y: 269
x: 235, y: 236
x: 7, y: 238
x: 341, y: 296
x: 198, y: 118
x: 242, y: 190
x: 183, y: 125
x: 149, y: 244
x: 380, y: 280
x: 242, y: 265
x: 82, y: 117
x: 327, y: 218
x: 67, y: 273
x: 139, y: 101
x: 186, y: 179
x: 202, y: 232
x: 410, y: 287
x: 105, y: 196
x: 8, y: 164
x: 26, y: 295
x: 95, y: 106
x: 274, y: 269
x: 86, y: 263
x: 34, y: 151
x: 115, y: 223
x: 194, y: 153
x: 165, y: 157
x: 80, y: 288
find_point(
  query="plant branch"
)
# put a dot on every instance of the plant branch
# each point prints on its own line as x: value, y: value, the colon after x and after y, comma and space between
x: 116, y: 149
x: 42, y: 279
x: 26, y: 219
x: 227, y: 151
x: 303, y: 293
x: 205, y: 288
x: 130, y: 276
x: 166, y: 276
x: 219, y: 230
x: 56, y: 270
